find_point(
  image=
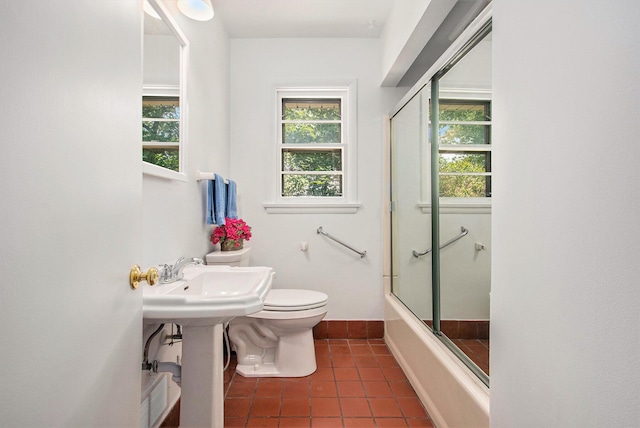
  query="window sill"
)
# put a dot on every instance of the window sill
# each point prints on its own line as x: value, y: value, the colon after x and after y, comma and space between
x: 310, y: 208
x: 459, y: 206
x: 158, y: 171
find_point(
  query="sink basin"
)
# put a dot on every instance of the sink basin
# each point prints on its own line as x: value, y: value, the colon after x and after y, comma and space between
x: 208, y: 295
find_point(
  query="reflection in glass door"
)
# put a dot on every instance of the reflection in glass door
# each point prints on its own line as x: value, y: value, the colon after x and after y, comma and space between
x: 441, y: 203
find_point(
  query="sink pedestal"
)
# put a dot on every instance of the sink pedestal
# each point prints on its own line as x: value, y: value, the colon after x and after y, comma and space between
x: 201, y: 302
x: 202, y: 402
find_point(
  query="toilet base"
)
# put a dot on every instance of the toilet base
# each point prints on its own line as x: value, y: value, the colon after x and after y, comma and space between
x: 294, y: 356
x: 269, y: 370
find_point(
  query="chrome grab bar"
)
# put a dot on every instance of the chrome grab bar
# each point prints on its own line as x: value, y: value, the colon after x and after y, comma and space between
x: 322, y: 232
x: 463, y: 232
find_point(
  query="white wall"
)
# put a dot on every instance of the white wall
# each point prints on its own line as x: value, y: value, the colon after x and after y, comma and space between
x: 565, y: 324
x: 409, y: 27
x: 70, y: 325
x: 256, y: 66
x: 173, y: 211
x: 161, y: 60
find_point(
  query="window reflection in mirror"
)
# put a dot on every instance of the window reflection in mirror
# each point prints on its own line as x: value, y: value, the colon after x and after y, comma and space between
x: 163, y: 113
x: 161, y: 131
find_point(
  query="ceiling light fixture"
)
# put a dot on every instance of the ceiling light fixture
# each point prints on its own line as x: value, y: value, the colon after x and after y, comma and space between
x: 200, y: 10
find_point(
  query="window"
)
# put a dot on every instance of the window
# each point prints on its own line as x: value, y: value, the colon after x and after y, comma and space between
x: 465, y: 148
x: 161, y: 131
x: 315, y: 148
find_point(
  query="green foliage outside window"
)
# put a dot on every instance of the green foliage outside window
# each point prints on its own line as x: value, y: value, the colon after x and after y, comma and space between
x: 305, y: 123
x: 161, y: 124
x: 314, y: 109
x: 312, y: 185
x: 161, y: 119
x: 462, y: 186
x: 464, y: 163
x: 310, y: 133
x: 166, y: 158
x: 316, y: 160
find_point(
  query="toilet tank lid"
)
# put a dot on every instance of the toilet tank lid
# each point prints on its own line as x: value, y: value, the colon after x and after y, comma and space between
x: 294, y: 298
x: 223, y: 257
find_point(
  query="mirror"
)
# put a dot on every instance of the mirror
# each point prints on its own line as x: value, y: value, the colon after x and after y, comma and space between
x: 163, y: 102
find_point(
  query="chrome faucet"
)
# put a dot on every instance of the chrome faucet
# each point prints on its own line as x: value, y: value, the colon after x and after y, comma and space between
x: 172, y: 273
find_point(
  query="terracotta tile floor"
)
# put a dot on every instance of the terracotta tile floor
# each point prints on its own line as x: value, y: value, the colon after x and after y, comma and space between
x: 477, y: 350
x: 358, y: 384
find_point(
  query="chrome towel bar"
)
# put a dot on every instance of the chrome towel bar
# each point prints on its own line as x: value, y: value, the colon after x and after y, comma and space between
x: 463, y: 232
x: 322, y: 232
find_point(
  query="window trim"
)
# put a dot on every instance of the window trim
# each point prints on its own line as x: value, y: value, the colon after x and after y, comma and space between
x: 347, y: 203
x: 451, y: 205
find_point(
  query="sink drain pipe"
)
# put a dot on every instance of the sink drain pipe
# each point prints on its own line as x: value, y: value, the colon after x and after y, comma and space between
x: 159, y: 366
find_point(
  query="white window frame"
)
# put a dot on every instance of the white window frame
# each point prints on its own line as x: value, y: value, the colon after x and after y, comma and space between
x: 453, y: 205
x: 452, y: 95
x: 347, y: 203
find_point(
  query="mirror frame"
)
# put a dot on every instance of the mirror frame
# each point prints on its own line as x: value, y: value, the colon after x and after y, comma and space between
x: 181, y: 90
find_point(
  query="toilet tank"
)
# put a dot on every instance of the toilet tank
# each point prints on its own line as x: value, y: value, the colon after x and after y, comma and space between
x: 229, y: 258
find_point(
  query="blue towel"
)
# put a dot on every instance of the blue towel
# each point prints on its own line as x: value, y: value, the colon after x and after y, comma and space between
x: 210, y: 214
x: 232, y: 207
x: 219, y: 200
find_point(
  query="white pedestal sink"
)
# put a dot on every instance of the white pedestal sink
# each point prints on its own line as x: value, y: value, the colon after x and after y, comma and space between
x: 201, y: 302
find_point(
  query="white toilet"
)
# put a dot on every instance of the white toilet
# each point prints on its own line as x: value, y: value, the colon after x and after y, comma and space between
x: 277, y: 341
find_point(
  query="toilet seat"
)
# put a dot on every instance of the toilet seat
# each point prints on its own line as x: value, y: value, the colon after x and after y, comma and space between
x: 286, y: 300
x: 292, y: 304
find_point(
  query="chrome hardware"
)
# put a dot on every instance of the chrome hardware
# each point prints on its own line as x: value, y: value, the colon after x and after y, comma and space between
x: 136, y: 275
x: 322, y: 232
x: 173, y: 273
x: 463, y: 232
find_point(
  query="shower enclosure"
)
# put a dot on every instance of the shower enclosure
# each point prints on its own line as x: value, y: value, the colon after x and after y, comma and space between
x: 441, y: 202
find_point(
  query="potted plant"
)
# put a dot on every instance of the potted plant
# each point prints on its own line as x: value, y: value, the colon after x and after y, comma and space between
x: 232, y: 234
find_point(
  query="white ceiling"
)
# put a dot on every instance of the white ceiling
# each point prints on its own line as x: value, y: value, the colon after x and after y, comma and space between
x: 302, y: 18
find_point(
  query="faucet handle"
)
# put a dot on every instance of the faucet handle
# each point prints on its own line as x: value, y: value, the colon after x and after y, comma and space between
x: 165, y: 272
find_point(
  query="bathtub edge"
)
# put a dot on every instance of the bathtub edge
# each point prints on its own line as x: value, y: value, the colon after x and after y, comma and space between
x: 452, y: 395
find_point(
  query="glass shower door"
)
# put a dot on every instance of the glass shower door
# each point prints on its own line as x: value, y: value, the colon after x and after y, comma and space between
x: 410, y: 215
x: 464, y: 100
x: 441, y: 203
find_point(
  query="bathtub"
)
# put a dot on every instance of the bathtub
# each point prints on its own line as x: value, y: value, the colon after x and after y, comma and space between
x: 449, y: 391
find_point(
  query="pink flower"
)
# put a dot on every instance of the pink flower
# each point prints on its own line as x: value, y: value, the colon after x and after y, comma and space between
x: 233, y: 230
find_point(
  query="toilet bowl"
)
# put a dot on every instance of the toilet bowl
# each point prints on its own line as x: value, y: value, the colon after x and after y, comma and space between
x: 277, y: 341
